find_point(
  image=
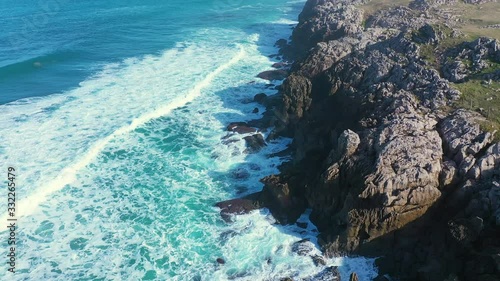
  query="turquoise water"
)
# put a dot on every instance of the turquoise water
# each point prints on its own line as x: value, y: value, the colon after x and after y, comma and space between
x: 112, y: 114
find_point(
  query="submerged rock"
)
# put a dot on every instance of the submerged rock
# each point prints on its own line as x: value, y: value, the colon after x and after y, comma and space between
x: 272, y: 75
x: 239, y: 206
x: 254, y: 143
x: 240, y: 128
x: 318, y: 260
x: 259, y: 98
x: 303, y: 247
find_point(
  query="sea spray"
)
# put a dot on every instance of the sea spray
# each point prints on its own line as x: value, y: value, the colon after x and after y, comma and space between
x: 67, y: 176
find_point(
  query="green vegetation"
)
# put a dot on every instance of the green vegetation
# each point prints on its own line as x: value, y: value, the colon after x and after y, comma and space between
x: 485, y: 98
x: 432, y: 53
x: 376, y: 5
x: 429, y: 54
x: 477, y: 95
x: 473, y: 18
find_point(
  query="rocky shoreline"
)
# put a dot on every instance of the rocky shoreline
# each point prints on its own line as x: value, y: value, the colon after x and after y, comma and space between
x: 389, y: 164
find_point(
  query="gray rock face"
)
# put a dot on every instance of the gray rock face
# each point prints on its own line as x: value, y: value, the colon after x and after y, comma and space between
x: 465, y: 140
x: 347, y: 144
x: 395, y: 61
x: 324, y: 20
x: 471, y: 58
x: 455, y: 71
x: 401, y: 18
x: 296, y: 100
x: 386, y: 170
x: 427, y: 34
x: 408, y: 157
x: 324, y: 55
x: 487, y: 166
x: 404, y: 155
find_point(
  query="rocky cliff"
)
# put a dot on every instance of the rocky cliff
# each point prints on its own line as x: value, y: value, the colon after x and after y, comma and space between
x: 389, y: 163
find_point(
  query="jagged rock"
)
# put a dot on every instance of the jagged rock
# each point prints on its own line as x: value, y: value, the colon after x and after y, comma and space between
x: 448, y: 174
x: 456, y: 71
x: 427, y: 34
x: 240, y: 173
x: 464, y: 139
x: 489, y: 164
x: 324, y: 55
x: 281, y: 43
x: 254, y: 143
x: 398, y: 18
x: 353, y: 277
x: 303, y: 247
x: 281, y: 64
x: 281, y: 200
x: 326, y: 20
x: 385, y: 169
x: 348, y: 142
x: 318, y: 260
x: 239, y: 206
x: 471, y: 58
x: 465, y: 231
x: 296, y: 99
x: 424, y: 5
x: 491, y: 26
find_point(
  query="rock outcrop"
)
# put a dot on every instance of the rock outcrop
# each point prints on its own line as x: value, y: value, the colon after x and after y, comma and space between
x: 387, y: 163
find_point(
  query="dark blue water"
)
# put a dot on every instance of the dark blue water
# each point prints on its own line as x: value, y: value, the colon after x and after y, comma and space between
x: 50, y: 46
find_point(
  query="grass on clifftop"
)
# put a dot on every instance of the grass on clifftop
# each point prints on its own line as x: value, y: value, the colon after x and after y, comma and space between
x: 470, y: 19
x: 477, y: 94
x: 376, y: 5
x: 484, y: 98
x: 473, y: 18
x: 431, y: 53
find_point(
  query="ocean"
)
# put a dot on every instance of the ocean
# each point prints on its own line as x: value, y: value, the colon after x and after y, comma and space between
x: 112, y: 114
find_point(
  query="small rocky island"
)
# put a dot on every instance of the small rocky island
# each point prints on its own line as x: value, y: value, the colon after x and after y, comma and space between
x: 394, y: 110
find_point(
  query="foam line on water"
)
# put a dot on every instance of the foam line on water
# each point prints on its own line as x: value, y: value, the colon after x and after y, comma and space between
x: 68, y: 175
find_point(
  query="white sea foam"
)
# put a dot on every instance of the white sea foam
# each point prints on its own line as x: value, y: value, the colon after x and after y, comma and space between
x: 286, y: 21
x: 29, y: 204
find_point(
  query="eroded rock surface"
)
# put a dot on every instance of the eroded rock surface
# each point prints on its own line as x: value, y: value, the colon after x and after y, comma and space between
x: 388, y: 166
